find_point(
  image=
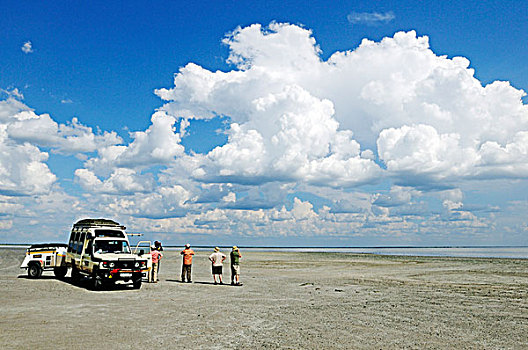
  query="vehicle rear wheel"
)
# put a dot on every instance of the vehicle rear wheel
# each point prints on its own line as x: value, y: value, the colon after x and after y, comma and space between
x: 137, y: 283
x: 60, y: 271
x: 34, y: 270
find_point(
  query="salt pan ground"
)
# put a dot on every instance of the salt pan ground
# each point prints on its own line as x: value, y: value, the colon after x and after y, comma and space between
x: 288, y: 301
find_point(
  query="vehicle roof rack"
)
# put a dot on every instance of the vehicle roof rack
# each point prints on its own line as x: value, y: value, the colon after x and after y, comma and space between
x: 46, y: 245
x: 98, y: 222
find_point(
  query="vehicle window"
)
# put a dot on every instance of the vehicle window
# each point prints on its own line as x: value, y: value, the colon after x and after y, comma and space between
x: 109, y: 233
x: 75, y: 242
x: 88, y: 249
x: 70, y: 243
x: 81, y: 243
x: 142, y: 246
x: 106, y: 246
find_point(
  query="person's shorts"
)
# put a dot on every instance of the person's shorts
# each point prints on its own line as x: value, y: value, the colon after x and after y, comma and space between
x: 235, y: 269
x: 217, y: 270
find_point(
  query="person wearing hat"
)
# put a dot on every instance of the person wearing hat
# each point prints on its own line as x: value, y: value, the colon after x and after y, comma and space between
x: 235, y: 266
x: 159, y: 248
x: 187, y: 263
x: 156, y: 256
x: 217, y: 260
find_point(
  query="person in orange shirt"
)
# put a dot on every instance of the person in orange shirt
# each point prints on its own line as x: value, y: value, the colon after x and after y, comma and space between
x: 187, y: 263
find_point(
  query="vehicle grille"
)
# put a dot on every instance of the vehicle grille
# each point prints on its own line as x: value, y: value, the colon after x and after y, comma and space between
x: 125, y: 264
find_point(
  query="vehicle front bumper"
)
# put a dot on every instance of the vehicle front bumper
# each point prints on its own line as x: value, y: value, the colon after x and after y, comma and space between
x: 120, y: 274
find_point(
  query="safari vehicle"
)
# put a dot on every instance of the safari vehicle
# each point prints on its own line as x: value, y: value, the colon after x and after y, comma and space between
x: 143, y: 249
x: 99, y: 249
x: 44, y: 257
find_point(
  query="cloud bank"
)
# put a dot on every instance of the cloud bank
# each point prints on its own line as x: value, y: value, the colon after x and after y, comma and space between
x: 376, y: 141
x: 24, y: 139
x: 298, y: 118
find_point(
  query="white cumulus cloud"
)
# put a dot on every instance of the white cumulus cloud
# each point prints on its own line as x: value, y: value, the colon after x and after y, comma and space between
x: 24, y: 134
x: 391, y: 114
x: 23, y: 168
x: 23, y: 125
x: 159, y: 144
x: 298, y: 118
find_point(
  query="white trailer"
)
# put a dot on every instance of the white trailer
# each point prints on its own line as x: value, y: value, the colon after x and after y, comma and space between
x: 44, y: 257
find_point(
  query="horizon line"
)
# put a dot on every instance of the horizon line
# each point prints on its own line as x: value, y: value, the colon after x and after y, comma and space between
x: 321, y: 247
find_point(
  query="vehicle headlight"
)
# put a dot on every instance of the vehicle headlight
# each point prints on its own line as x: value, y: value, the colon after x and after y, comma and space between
x: 137, y: 264
x: 112, y: 264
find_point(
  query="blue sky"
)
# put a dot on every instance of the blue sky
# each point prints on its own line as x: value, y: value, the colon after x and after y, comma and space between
x: 399, y: 142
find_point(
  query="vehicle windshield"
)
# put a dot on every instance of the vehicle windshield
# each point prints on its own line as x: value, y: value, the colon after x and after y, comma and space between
x: 111, y: 246
x: 109, y: 233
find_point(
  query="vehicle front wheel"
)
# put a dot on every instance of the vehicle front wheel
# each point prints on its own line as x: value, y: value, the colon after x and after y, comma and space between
x: 137, y: 283
x: 97, y: 282
x: 34, y: 271
x: 75, y: 275
x: 60, y: 272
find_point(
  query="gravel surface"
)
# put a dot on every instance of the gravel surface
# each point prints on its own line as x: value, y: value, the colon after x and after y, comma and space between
x: 288, y: 301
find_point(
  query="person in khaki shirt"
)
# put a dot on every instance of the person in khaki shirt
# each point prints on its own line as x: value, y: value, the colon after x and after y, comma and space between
x: 217, y: 260
x: 187, y: 263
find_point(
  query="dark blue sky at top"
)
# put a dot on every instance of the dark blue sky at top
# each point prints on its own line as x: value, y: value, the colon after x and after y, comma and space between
x: 100, y: 61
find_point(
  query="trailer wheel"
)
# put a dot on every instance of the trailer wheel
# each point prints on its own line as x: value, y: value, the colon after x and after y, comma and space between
x: 60, y: 272
x: 34, y: 270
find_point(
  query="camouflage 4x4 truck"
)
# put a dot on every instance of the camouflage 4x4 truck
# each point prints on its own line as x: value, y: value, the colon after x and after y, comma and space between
x: 99, y: 249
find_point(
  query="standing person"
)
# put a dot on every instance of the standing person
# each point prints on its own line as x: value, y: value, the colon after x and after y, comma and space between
x: 234, y: 257
x: 159, y: 248
x: 156, y: 256
x: 217, y: 259
x: 187, y: 263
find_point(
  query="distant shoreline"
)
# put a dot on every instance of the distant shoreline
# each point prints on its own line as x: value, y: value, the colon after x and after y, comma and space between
x: 323, y: 247
x: 494, y: 252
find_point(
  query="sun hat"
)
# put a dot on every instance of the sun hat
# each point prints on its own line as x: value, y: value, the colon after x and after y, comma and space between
x: 235, y: 247
x: 216, y: 249
x: 187, y: 245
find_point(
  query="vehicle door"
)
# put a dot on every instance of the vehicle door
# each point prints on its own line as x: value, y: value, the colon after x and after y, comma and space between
x: 86, y: 253
x: 143, y: 249
x: 50, y: 258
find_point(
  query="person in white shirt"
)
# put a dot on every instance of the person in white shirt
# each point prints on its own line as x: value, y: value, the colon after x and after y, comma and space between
x: 217, y: 259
